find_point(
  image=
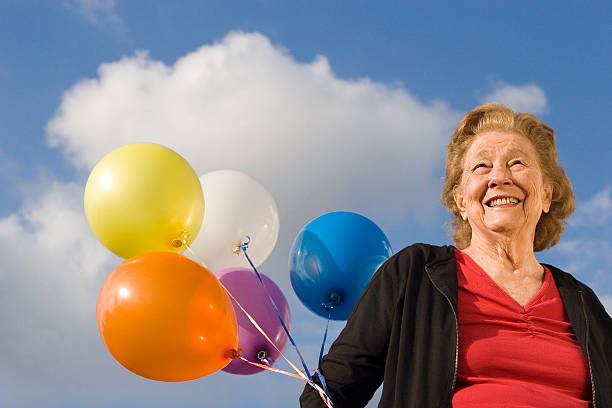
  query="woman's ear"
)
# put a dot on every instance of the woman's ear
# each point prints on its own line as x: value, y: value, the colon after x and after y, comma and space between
x: 547, y: 198
x: 460, y: 201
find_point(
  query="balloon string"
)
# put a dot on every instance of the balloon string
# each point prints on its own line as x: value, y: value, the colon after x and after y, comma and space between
x: 329, y: 307
x: 276, y: 370
x: 244, y: 246
x: 252, y: 320
x: 308, y: 379
x: 325, y: 335
x: 267, y: 367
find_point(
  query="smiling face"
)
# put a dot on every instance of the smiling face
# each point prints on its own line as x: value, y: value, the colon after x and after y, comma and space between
x: 502, y: 190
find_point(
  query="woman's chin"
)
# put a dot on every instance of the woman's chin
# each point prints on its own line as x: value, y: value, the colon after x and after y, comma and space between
x: 504, y: 226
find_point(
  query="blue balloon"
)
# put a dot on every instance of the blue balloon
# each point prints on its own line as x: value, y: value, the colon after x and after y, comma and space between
x: 332, y: 260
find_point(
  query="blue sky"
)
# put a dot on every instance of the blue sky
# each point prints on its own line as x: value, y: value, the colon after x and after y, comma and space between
x: 330, y: 105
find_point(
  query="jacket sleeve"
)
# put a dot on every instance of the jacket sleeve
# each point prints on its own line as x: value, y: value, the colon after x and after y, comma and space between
x: 354, y: 367
x: 600, y: 346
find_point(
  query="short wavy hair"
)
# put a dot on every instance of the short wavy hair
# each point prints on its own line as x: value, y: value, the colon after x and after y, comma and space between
x: 500, y: 117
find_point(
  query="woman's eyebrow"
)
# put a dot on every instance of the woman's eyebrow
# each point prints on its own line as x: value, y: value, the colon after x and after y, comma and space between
x: 517, y: 153
x: 481, y: 154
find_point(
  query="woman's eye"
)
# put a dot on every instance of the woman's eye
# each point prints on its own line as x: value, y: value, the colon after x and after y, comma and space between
x: 479, y: 165
x: 516, y: 162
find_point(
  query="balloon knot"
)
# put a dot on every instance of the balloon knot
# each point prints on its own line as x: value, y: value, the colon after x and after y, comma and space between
x: 233, y: 353
x: 262, y: 355
x: 242, y: 246
x: 333, y: 299
x: 245, y: 245
x: 182, y: 240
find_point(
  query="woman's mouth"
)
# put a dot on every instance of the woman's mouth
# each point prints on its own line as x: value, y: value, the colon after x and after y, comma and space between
x: 502, y: 202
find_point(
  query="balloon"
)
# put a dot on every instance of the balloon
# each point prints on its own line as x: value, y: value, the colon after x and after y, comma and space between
x: 143, y: 197
x: 332, y: 260
x: 244, y: 285
x: 236, y: 206
x: 167, y: 318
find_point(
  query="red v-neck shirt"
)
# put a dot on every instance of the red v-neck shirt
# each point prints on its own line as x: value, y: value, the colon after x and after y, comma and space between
x: 512, y: 355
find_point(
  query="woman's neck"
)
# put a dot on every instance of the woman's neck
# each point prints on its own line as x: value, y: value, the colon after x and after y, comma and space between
x: 505, y: 255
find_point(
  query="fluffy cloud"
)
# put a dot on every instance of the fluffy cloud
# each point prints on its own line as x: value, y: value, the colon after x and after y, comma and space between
x: 589, y: 260
x: 521, y: 98
x: 51, y: 268
x: 315, y: 141
x: 586, y: 251
x: 596, y: 211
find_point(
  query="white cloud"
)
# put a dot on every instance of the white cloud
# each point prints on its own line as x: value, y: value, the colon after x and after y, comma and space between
x: 317, y: 142
x: 594, y: 212
x: 588, y: 259
x: 521, y: 98
x: 98, y: 12
x: 51, y: 269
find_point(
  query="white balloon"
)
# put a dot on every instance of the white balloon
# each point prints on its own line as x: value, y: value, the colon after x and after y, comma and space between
x: 236, y: 207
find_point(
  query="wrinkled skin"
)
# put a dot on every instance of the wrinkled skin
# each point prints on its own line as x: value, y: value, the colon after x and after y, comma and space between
x: 504, y: 164
x: 500, y: 163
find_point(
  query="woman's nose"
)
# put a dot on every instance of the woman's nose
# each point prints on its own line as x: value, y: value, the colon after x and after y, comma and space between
x: 499, y: 176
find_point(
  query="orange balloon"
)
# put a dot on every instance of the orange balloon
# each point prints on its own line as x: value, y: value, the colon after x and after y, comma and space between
x: 165, y: 317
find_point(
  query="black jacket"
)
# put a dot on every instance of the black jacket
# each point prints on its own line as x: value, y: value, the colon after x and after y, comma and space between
x: 404, y: 330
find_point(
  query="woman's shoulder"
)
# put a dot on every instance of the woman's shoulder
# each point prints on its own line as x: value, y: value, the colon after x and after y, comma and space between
x: 423, y: 253
x: 565, y: 279
x: 415, y: 257
x: 568, y: 284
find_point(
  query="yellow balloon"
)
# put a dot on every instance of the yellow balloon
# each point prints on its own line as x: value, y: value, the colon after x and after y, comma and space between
x: 143, y: 197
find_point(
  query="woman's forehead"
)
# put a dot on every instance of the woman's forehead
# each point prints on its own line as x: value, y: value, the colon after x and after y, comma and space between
x: 491, y: 143
x: 488, y: 152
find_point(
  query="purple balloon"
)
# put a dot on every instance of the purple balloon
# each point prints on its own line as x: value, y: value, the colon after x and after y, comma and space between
x: 244, y: 285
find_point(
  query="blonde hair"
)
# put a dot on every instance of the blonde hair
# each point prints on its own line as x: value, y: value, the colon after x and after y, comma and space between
x: 500, y: 117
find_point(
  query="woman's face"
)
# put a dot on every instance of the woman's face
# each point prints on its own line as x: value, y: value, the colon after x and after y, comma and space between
x: 502, y: 188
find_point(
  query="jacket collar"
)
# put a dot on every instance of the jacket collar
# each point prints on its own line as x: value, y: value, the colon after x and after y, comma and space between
x: 572, y: 298
x: 441, y: 266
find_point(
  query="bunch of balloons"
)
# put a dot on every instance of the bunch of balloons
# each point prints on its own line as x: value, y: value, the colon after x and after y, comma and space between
x: 160, y: 314
x: 168, y: 317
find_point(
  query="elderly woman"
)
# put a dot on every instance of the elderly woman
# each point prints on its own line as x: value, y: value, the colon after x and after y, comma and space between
x: 482, y: 324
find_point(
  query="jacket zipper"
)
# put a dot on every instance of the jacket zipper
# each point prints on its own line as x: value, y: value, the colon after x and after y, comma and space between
x: 587, y: 349
x: 456, y: 337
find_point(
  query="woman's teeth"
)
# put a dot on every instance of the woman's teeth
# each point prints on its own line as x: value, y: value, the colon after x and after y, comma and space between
x: 502, y: 201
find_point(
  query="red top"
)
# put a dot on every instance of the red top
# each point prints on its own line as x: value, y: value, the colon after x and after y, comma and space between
x: 512, y: 355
